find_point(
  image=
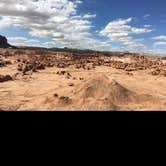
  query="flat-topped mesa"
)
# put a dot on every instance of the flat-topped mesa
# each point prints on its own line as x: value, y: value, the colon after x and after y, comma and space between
x: 4, y: 43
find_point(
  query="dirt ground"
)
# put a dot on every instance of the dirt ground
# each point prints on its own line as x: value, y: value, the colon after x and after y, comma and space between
x: 102, y: 88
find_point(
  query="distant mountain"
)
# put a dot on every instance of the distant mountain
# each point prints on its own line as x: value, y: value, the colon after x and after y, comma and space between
x: 65, y: 49
x: 57, y: 49
x: 32, y: 48
x: 70, y: 50
x: 4, y: 44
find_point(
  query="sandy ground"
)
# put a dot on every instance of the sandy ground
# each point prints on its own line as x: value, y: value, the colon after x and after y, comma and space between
x: 45, y: 90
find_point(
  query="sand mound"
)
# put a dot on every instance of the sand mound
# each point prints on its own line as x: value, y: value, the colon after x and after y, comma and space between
x: 99, y: 92
x: 96, y: 93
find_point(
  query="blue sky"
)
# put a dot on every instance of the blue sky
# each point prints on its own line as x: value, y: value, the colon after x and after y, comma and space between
x: 113, y: 25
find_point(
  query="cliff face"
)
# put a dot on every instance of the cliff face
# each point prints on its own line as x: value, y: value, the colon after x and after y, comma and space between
x: 4, y: 43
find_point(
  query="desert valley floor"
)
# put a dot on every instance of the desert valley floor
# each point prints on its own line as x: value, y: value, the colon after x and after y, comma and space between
x: 81, y: 84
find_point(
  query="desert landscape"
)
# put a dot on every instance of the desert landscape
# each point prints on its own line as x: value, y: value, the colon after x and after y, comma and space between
x: 80, y: 55
x: 45, y: 80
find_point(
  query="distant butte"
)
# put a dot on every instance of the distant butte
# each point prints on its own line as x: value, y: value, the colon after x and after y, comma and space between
x: 4, y: 43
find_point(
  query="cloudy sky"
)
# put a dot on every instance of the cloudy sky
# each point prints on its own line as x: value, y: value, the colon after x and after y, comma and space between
x: 112, y: 25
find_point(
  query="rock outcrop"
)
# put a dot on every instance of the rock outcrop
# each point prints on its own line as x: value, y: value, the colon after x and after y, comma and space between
x: 4, y: 43
x: 4, y: 78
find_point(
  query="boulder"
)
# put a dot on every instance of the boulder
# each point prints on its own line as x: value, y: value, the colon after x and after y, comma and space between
x: 4, y: 78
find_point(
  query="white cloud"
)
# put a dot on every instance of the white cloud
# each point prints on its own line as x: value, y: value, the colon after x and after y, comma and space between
x: 159, y: 45
x: 145, y: 17
x: 54, y: 19
x: 89, y: 16
x: 17, y: 39
x: 147, y: 26
x: 22, y: 41
x: 159, y: 38
x: 159, y: 51
x: 49, y: 44
x: 59, y: 21
x: 156, y: 44
x: 120, y: 31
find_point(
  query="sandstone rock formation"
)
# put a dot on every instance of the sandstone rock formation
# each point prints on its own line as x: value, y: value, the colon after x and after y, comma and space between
x: 4, y: 78
x: 4, y: 43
